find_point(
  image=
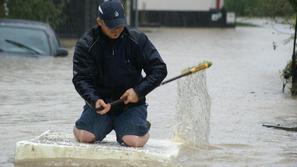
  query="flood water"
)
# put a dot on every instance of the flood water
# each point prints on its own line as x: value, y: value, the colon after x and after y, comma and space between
x: 244, y: 85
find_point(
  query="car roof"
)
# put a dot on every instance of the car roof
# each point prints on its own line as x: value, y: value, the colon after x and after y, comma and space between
x: 33, y: 25
x: 24, y: 23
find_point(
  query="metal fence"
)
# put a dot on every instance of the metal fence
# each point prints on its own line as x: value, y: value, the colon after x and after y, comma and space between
x: 79, y: 17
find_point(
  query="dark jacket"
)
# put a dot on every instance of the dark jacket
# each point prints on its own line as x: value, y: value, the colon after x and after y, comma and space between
x: 96, y: 76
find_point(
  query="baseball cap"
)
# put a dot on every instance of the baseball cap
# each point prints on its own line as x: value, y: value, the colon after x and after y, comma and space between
x: 112, y: 13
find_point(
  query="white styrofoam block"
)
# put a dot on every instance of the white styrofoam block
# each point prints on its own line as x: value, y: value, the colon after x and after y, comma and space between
x: 54, y: 145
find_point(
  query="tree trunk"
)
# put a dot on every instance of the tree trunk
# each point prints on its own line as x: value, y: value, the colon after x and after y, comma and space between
x: 294, y: 66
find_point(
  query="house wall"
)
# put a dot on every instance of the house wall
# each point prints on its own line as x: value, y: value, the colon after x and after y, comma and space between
x: 178, y: 5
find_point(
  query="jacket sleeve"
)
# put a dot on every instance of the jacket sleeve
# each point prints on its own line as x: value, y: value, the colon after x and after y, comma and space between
x: 153, y: 66
x: 84, y: 73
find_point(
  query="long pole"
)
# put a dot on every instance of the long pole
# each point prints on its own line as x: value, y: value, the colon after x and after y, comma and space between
x: 294, y: 69
x: 136, y: 13
x: 218, y: 4
x: 193, y: 70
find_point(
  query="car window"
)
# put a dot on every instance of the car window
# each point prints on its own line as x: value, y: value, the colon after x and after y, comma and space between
x: 35, y: 39
x: 54, y: 40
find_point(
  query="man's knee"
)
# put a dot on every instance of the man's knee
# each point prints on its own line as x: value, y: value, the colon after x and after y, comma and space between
x: 84, y: 136
x: 135, y: 141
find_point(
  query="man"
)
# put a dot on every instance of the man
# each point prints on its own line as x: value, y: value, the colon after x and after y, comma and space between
x: 107, y: 66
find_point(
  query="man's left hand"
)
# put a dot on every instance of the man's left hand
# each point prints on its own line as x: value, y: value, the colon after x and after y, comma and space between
x: 130, y: 96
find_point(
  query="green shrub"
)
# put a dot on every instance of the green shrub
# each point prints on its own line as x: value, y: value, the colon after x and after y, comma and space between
x: 287, y: 75
x: 262, y: 8
x: 38, y: 10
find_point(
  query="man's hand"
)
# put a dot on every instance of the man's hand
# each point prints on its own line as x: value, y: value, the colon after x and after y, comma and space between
x: 106, y: 107
x: 130, y: 96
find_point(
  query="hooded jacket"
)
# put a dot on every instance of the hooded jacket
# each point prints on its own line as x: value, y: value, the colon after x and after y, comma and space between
x: 105, y: 69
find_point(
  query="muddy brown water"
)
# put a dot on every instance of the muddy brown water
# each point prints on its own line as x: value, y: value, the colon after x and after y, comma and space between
x: 244, y: 86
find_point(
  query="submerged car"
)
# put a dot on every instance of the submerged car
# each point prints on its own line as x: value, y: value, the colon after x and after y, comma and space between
x: 23, y: 37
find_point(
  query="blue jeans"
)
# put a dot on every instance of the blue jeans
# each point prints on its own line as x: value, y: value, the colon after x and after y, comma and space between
x: 125, y: 121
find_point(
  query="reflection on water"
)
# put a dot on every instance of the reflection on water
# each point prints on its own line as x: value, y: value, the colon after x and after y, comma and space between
x: 244, y: 86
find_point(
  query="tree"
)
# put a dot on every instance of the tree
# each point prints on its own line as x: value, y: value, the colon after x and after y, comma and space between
x: 39, y: 10
x: 274, y: 8
x: 294, y: 4
x: 294, y: 64
x: 266, y: 8
x: 238, y: 6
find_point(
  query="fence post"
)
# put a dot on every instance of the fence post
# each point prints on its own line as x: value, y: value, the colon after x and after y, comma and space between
x: 2, y: 10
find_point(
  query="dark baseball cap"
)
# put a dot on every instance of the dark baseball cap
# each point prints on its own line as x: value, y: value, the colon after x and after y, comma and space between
x: 112, y: 13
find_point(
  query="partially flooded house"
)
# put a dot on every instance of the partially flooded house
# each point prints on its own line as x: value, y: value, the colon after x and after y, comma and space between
x: 80, y: 15
x: 185, y: 13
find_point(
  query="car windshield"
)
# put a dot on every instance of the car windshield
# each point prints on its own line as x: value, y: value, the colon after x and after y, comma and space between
x: 24, y: 40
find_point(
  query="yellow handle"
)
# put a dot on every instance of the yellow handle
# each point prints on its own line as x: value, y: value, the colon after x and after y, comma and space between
x: 200, y: 67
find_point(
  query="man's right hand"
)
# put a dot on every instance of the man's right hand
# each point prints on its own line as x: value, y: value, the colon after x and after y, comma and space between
x: 101, y: 103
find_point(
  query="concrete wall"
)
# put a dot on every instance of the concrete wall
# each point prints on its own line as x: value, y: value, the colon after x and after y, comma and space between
x: 178, y: 5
